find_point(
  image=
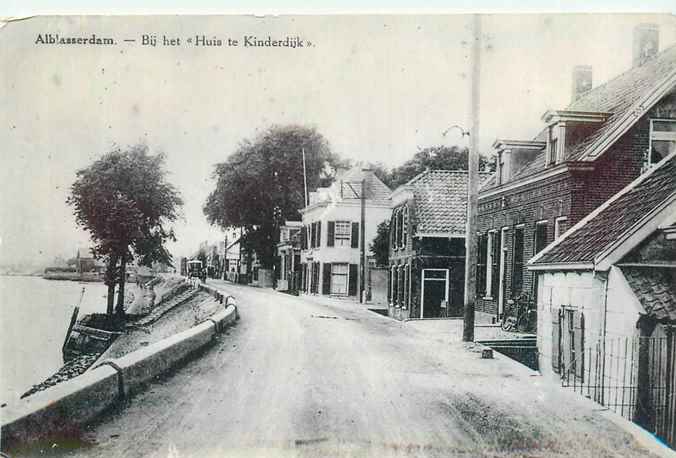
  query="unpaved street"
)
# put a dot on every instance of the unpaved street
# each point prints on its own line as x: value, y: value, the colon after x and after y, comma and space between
x: 300, y: 377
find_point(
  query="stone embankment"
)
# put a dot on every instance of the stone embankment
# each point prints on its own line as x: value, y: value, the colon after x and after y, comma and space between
x: 61, y: 410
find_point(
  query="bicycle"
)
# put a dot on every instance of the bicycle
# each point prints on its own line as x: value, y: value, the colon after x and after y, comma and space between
x: 522, y: 318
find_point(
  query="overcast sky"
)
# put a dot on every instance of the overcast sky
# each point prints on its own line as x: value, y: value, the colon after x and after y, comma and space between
x: 376, y: 87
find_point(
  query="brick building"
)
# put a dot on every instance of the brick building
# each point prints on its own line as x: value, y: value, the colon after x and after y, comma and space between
x: 427, y: 246
x: 585, y: 154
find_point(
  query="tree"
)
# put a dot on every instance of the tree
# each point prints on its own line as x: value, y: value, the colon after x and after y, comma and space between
x: 261, y: 184
x: 125, y: 204
x: 380, y: 247
x: 432, y: 158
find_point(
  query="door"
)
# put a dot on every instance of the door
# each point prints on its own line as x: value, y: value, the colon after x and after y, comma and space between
x: 434, y: 292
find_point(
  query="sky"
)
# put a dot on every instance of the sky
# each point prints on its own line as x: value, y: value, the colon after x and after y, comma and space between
x: 377, y: 87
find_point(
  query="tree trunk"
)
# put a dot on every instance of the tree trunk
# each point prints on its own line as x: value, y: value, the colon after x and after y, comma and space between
x: 110, y: 283
x: 119, y: 309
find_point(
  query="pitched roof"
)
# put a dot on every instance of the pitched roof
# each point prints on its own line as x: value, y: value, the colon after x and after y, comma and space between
x: 441, y: 200
x: 621, y: 96
x: 375, y: 189
x: 608, y: 223
x: 347, y: 187
x: 655, y: 288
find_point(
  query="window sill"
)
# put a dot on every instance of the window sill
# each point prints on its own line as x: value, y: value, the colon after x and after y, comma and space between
x: 487, y: 298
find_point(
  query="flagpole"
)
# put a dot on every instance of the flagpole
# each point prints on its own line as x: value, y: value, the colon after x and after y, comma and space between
x: 304, y: 177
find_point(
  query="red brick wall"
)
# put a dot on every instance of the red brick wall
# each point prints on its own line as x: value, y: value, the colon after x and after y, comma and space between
x: 528, y: 205
x: 572, y: 194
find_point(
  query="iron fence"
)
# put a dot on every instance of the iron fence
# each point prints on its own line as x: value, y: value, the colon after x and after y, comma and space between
x: 633, y: 376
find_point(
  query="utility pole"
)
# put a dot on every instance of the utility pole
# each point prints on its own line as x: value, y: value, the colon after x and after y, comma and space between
x: 472, y: 185
x: 362, y: 242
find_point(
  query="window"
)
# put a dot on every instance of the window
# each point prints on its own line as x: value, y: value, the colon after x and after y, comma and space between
x: 560, y: 226
x: 492, y: 257
x: 393, y: 299
x: 662, y: 141
x: 517, y: 259
x: 339, y: 274
x: 492, y: 265
x: 482, y: 241
x: 540, y: 236
x: 407, y: 270
x: 404, y: 228
x: 551, y: 154
x: 343, y: 230
x: 500, y: 168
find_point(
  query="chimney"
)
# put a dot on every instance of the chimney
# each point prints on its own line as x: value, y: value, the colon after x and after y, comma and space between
x: 582, y: 81
x: 646, y: 43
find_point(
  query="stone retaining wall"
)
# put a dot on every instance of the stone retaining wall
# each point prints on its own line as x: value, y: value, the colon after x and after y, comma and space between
x: 63, y: 408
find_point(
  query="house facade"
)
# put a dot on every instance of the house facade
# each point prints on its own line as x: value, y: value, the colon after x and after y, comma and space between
x: 331, y: 231
x: 582, y: 156
x: 288, y: 257
x: 607, y: 302
x: 427, y: 246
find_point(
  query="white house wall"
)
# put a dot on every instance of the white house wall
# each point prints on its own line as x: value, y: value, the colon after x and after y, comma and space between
x: 623, y: 307
x: 343, y: 212
x: 564, y: 289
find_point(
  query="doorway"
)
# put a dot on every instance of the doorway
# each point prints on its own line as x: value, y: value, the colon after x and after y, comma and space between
x: 434, y: 292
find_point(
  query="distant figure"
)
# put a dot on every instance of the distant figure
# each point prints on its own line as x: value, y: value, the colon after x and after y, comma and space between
x: 150, y: 295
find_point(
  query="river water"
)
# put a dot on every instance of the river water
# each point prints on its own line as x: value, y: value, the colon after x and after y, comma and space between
x: 34, y: 318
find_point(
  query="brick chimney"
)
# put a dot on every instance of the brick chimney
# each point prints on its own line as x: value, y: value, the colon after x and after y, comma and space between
x: 646, y: 43
x: 582, y: 81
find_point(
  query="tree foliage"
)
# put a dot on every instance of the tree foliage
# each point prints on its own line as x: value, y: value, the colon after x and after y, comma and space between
x: 430, y: 158
x: 380, y: 247
x: 261, y: 184
x: 125, y: 204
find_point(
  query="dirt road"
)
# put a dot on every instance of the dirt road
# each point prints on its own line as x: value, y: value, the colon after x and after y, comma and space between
x: 297, y: 377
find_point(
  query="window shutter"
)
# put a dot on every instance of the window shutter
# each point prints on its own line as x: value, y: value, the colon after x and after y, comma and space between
x: 389, y: 285
x: 495, y: 285
x: 326, y: 278
x: 579, y: 344
x: 331, y: 236
x: 352, y: 286
x: 556, y: 341
x: 355, y: 235
x: 319, y: 234
x: 303, y: 238
x: 312, y: 235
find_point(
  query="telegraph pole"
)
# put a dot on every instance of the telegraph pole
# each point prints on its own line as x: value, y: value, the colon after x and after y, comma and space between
x: 362, y: 242
x: 472, y: 185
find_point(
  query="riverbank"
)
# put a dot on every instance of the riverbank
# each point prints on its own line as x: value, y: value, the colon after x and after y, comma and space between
x: 172, y: 314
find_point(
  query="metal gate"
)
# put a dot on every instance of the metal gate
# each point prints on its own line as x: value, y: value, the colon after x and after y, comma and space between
x: 633, y: 376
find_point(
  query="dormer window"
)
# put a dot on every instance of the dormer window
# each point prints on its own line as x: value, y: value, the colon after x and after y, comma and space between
x: 662, y: 141
x: 500, y: 168
x: 552, y: 147
x: 557, y: 122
